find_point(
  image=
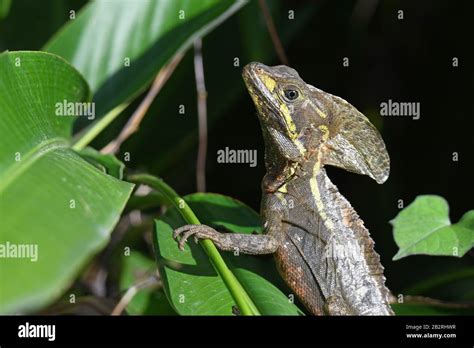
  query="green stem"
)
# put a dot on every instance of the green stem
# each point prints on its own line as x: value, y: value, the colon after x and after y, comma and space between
x: 98, y: 127
x: 241, y: 298
x: 152, y: 199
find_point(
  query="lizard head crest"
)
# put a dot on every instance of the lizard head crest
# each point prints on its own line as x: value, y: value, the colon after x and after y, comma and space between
x: 297, y: 118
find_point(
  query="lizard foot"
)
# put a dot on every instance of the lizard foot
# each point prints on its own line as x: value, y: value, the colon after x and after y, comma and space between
x: 198, y: 231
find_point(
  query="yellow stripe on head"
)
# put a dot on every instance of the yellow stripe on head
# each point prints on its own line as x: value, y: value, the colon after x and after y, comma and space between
x: 292, y: 128
x: 268, y: 82
x: 288, y: 120
x: 318, y: 110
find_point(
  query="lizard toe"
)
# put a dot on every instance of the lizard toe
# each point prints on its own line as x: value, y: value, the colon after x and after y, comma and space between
x: 185, y: 235
x: 177, y: 232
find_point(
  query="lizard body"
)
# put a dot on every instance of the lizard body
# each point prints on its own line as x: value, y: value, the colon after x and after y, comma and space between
x: 321, y: 247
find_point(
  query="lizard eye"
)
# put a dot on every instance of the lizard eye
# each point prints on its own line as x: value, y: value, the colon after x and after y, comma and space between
x: 291, y: 94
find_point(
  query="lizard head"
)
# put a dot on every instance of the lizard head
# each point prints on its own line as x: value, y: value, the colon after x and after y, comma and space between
x: 298, y: 119
x: 278, y: 93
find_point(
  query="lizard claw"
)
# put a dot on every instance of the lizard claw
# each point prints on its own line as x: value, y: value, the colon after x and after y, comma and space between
x: 184, y: 237
x: 198, y: 231
x: 183, y: 233
x: 180, y: 230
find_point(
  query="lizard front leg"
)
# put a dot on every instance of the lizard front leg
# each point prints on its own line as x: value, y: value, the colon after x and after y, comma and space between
x: 254, y: 244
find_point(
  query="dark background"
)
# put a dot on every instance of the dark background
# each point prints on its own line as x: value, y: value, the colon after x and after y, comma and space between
x: 407, y: 60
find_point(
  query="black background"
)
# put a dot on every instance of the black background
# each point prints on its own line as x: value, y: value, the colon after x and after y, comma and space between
x: 259, y: 331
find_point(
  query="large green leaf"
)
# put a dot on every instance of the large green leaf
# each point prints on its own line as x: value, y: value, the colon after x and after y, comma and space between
x: 191, y: 283
x: 424, y: 227
x: 50, y: 197
x: 147, y: 32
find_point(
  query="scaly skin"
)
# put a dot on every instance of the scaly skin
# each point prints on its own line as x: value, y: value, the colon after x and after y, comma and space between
x: 322, y: 249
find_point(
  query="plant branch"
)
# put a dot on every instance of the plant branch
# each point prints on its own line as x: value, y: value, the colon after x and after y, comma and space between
x: 133, y: 123
x: 273, y: 32
x: 132, y: 291
x: 242, y: 299
x: 202, y: 116
x: 422, y: 300
x: 98, y: 126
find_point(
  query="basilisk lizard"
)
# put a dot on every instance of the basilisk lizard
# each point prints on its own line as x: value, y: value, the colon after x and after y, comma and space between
x: 321, y: 247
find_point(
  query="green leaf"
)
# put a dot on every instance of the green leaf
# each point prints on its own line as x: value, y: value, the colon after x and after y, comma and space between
x: 149, y: 34
x: 224, y: 212
x: 50, y: 197
x: 4, y: 8
x: 191, y: 283
x: 109, y: 164
x: 424, y: 227
x: 136, y: 268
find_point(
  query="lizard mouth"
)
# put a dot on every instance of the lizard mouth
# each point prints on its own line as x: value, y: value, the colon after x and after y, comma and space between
x: 251, y: 74
x: 267, y: 105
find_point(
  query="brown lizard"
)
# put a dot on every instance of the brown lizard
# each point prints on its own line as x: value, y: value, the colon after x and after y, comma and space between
x: 321, y: 247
